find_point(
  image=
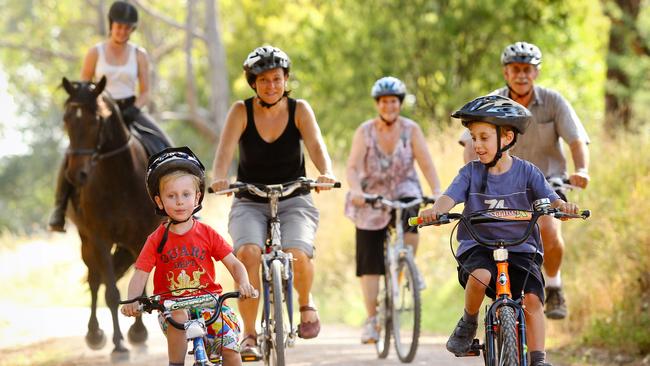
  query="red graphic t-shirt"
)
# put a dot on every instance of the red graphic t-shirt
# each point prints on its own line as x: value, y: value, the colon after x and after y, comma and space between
x: 185, y: 261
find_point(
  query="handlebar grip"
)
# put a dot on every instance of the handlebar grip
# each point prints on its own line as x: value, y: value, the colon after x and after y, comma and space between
x: 415, y: 221
x: 210, y: 190
x: 337, y: 185
x: 585, y: 213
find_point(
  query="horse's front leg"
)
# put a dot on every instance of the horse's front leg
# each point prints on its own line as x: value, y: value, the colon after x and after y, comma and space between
x: 112, y: 294
x: 95, y: 337
x: 122, y: 260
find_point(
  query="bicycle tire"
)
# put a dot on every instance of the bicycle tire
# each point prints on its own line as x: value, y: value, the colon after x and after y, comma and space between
x: 407, y: 311
x: 507, y: 340
x: 382, y: 345
x: 278, y: 350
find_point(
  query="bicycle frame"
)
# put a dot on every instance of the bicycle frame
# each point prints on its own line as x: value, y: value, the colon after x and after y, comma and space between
x: 397, y: 253
x: 273, y: 253
x: 503, y: 296
x: 196, y: 326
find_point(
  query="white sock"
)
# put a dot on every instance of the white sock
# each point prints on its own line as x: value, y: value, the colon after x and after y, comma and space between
x: 555, y: 281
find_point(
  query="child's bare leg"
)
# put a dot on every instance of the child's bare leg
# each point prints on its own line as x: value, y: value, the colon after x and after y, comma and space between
x: 465, y: 331
x: 176, y: 341
x: 535, y: 331
x: 475, y: 290
x: 231, y: 358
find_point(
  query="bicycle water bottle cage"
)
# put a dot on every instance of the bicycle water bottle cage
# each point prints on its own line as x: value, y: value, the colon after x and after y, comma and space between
x: 195, y: 328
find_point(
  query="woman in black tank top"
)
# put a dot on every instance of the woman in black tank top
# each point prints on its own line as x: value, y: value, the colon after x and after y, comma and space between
x: 268, y: 129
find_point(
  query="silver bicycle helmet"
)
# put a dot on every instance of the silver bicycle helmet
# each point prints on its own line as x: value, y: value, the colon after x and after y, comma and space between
x: 265, y: 58
x: 170, y: 159
x: 388, y: 85
x: 522, y: 52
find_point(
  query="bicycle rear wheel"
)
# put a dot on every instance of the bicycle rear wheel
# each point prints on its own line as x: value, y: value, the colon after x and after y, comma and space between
x: 383, y: 318
x: 507, y: 340
x: 277, y: 357
x: 407, y: 309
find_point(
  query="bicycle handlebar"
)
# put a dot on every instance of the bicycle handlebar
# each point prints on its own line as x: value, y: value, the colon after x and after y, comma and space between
x: 150, y: 303
x: 284, y: 189
x: 497, y: 215
x: 372, y: 199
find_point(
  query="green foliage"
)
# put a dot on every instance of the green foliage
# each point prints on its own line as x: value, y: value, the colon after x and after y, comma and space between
x: 607, y: 263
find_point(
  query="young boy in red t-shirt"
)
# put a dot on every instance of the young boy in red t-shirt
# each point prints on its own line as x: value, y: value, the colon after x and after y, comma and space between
x: 182, y: 251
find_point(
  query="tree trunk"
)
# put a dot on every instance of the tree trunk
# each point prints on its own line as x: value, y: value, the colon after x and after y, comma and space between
x: 622, y: 37
x: 218, y: 74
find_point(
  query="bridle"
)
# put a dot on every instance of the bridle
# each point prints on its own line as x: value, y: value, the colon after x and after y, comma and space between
x: 96, y: 153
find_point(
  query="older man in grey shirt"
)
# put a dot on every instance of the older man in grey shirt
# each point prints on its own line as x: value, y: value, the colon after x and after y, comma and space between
x: 553, y: 118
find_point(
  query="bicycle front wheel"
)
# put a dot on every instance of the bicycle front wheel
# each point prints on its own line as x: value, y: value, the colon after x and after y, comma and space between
x: 383, y: 318
x: 278, y: 335
x: 507, y: 340
x: 407, y: 310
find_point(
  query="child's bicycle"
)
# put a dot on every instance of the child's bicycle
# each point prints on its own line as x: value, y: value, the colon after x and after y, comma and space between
x: 278, y: 331
x: 399, y: 305
x: 196, y: 326
x: 505, y: 324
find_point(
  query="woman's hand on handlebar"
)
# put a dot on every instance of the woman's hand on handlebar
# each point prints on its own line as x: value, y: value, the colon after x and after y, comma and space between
x: 220, y: 184
x: 131, y: 309
x: 357, y: 198
x: 325, y: 178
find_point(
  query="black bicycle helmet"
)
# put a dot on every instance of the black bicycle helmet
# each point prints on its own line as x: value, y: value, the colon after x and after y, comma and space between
x: 123, y: 12
x: 168, y: 160
x: 265, y: 58
x: 497, y: 110
x: 389, y: 85
x: 522, y: 52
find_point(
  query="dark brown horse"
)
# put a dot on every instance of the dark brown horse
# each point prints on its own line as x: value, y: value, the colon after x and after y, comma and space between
x: 110, y: 207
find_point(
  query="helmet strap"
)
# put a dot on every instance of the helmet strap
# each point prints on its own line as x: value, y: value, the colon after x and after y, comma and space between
x: 387, y: 122
x: 171, y: 222
x: 268, y: 105
x: 497, y: 156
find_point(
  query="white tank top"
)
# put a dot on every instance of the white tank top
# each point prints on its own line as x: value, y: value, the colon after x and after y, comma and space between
x: 120, y: 79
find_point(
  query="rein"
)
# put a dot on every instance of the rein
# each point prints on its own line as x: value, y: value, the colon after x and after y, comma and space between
x: 96, y: 153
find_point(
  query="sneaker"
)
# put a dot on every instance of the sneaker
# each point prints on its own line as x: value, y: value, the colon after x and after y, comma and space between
x: 461, y: 339
x: 555, y: 303
x: 370, y: 334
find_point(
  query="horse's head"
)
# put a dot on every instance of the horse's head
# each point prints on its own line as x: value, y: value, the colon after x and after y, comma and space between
x: 82, y: 123
x: 87, y: 122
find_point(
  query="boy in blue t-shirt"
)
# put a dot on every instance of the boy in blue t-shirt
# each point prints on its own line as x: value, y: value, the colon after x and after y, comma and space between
x: 498, y: 180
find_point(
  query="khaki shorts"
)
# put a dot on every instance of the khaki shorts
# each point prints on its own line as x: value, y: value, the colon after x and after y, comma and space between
x: 248, y: 223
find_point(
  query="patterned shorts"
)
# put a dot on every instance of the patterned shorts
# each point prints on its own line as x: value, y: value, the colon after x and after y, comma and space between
x: 223, y: 333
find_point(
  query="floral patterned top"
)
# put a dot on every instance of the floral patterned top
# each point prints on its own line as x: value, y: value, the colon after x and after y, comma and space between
x: 392, y: 176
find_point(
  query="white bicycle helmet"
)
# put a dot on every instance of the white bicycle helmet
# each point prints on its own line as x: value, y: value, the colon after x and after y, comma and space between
x: 389, y: 85
x: 522, y: 52
x: 265, y: 58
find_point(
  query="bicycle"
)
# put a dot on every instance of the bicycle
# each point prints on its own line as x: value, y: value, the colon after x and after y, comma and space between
x: 399, y: 304
x: 196, y: 326
x: 277, y: 271
x: 505, y: 324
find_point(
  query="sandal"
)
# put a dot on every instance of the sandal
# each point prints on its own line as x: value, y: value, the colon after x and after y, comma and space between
x: 250, y: 352
x: 307, y: 330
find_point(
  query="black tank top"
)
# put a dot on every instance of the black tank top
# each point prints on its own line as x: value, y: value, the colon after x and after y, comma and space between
x: 270, y: 163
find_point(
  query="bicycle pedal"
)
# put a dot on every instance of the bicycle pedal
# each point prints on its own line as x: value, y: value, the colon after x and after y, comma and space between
x: 474, y: 350
x: 250, y: 358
